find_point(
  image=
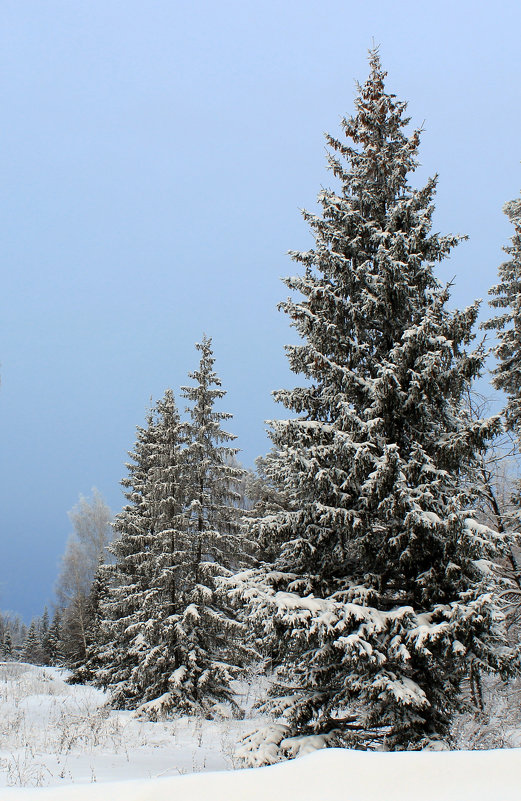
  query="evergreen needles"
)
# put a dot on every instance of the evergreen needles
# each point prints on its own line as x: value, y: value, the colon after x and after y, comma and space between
x: 379, y: 600
x: 170, y: 640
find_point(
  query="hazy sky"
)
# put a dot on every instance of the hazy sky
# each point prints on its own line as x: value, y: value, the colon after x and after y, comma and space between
x: 154, y: 158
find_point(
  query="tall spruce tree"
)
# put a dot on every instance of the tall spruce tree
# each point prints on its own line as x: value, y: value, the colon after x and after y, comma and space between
x: 210, y: 638
x: 165, y: 562
x: 213, y: 474
x: 507, y: 374
x: 381, y: 589
x: 128, y: 604
x: 507, y: 298
x: 167, y: 633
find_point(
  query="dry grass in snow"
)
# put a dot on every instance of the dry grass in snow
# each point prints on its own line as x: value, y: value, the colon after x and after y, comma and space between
x: 53, y: 733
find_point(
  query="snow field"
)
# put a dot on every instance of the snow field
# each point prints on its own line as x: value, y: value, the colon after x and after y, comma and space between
x: 61, y: 743
x: 53, y: 733
x: 328, y: 775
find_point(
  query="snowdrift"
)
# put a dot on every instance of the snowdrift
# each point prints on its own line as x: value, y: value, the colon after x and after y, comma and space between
x: 326, y: 775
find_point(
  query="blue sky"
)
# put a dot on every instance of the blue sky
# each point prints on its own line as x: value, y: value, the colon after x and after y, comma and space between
x: 154, y: 157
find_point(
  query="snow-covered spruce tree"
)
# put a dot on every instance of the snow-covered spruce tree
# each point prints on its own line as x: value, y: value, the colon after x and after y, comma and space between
x: 44, y: 635
x: 382, y: 590
x: 264, y: 498
x: 507, y: 297
x: 126, y: 574
x: 210, y: 647
x: 507, y: 374
x: 32, y: 647
x: 54, y: 641
x: 166, y: 636
x: 7, y: 645
x: 125, y: 610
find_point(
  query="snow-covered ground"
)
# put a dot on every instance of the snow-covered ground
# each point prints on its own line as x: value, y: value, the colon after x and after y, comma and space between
x: 328, y: 775
x: 59, y: 742
x: 53, y: 733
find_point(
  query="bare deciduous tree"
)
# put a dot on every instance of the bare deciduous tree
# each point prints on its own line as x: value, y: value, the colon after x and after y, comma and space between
x: 85, y: 550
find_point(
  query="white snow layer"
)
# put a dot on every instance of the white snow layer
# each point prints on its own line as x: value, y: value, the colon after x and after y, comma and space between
x: 59, y: 735
x: 333, y: 773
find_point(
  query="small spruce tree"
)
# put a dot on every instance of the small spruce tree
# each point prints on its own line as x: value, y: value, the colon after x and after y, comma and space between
x: 54, y: 641
x: 32, y: 647
x: 7, y: 644
x: 44, y: 636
